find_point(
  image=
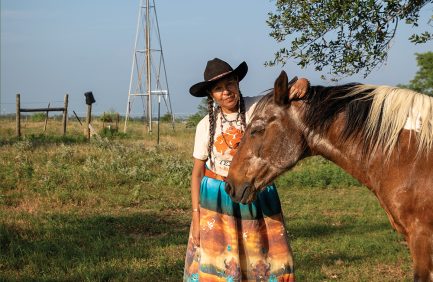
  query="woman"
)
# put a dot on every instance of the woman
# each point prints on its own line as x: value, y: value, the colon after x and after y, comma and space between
x: 230, y: 241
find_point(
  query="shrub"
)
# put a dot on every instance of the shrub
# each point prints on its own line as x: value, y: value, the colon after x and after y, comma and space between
x: 38, y: 117
x: 193, y: 120
x: 111, y: 132
x: 108, y: 117
x: 166, y: 118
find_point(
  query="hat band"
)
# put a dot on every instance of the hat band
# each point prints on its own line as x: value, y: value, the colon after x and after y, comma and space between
x: 220, y: 75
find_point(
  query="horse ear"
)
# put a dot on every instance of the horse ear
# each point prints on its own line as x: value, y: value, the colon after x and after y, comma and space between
x: 281, y: 87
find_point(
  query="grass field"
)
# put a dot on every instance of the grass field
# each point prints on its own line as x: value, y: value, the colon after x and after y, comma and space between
x: 118, y: 209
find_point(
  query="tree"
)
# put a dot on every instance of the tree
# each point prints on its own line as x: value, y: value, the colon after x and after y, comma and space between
x: 423, y: 80
x: 344, y: 36
x: 166, y: 118
x: 194, y: 119
x: 202, y: 107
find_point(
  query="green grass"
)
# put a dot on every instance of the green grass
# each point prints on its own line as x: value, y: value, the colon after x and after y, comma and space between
x: 343, y: 234
x: 118, y: 209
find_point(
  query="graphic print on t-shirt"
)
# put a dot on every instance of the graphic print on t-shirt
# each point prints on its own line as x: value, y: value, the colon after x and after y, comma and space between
x: 228, y: 141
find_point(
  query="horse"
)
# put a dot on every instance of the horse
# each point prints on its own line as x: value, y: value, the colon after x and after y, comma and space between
x: 380, y: 135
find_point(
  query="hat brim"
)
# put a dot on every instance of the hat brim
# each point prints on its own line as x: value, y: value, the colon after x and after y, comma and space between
x: 200, y: 89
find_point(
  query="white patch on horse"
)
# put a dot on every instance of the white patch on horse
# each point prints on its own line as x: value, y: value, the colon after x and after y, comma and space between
x: 258, y: 123
x: 254, y: 165
x: 413, y: 121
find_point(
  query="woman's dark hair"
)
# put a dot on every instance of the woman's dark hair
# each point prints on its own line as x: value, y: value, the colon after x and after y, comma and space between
x: 242, y: 112
x: 211, y: 112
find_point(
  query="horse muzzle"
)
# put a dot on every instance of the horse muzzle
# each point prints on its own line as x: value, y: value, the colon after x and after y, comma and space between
x: 240, y: 195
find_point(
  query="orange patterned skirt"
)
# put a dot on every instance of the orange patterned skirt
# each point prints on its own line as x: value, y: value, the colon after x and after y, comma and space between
x: 239, y: 242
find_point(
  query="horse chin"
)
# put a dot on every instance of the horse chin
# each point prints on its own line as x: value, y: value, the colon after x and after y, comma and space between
x: 248, y: 198
x: 249, y: 195
x: 267, y: 177
x: 250, y: 190
x: 252, y: 198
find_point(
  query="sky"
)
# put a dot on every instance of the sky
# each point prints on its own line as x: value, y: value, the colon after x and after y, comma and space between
x: 53, y: 47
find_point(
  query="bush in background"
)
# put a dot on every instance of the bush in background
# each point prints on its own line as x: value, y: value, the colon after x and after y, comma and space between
x: 38, y: 117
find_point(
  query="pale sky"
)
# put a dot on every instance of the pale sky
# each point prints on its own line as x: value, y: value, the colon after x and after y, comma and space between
x: 53, y: 47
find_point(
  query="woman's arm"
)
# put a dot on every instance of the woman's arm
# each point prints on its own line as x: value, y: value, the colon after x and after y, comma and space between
x: 196, y: 177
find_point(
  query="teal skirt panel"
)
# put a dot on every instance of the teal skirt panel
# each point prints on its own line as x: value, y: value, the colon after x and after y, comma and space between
x: 214, y: 197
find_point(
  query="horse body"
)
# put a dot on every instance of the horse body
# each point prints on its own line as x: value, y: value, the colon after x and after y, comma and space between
x: 282, y: 132
x: 404, y: 189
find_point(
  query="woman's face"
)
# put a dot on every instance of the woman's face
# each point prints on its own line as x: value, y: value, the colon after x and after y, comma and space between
x: 226, y: 94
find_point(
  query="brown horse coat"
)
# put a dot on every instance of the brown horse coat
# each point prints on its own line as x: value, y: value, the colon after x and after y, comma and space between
x: 363, y: 129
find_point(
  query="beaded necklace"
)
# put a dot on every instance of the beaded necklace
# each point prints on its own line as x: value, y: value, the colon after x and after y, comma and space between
x: 222, y: 116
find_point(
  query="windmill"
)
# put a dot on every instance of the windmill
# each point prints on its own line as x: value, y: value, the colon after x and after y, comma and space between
x: 148, y: 79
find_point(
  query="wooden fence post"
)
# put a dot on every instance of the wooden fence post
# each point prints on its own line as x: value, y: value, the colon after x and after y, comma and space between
x: 88, y: 120
x: 65, y: 114
x: 18, y: 116
x: 46, y: 117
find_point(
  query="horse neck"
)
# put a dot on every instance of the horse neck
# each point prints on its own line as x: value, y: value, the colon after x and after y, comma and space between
x: 346, y: 154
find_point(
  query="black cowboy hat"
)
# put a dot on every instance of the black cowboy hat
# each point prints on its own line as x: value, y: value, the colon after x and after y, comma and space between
x: 217, y: 69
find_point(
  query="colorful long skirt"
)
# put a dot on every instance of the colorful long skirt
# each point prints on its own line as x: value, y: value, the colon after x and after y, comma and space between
x: 239, y: 242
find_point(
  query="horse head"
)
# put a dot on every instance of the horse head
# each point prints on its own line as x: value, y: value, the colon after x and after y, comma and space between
x: 258, y: 162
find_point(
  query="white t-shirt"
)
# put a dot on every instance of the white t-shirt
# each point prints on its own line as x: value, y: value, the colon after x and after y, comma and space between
x: 226, y: 138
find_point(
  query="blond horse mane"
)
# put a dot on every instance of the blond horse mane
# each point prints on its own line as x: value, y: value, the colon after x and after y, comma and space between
x: 392, y: 108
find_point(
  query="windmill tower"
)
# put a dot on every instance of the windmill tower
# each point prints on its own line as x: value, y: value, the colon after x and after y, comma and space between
x: 148, y: 74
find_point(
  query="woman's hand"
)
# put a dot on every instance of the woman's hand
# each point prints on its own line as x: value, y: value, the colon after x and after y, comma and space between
x: 196, y: 177
x: 196, y: 228
x: 299, y: 88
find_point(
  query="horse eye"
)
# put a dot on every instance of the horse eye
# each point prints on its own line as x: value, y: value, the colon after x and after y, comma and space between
x: 258, y: 129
